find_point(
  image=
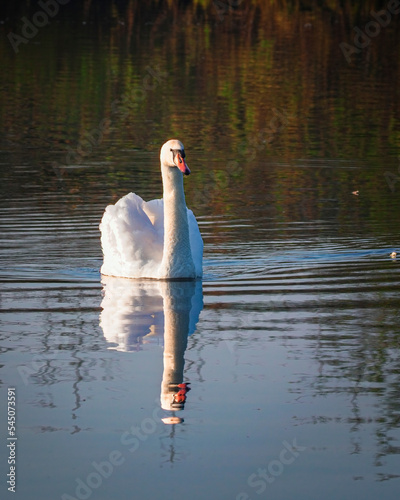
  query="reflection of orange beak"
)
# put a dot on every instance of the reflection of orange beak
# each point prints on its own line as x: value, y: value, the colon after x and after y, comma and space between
x: 180, y: 396
x: 184, y: 386
x: 181, y: 164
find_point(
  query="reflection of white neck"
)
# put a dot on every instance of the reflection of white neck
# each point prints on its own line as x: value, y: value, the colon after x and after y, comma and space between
x: 177, y: 259
x: 176, y: 327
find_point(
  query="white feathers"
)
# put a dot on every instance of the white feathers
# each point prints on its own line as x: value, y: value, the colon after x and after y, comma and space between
x: 132, y: 238
x: 157, y: 239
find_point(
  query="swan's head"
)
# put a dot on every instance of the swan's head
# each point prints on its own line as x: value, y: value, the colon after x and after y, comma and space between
x: 172, y: 154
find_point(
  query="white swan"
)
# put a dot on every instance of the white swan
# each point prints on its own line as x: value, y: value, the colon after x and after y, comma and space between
x: 157, y: 239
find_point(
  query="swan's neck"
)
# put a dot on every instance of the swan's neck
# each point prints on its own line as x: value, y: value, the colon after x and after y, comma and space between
x: 177, y: 259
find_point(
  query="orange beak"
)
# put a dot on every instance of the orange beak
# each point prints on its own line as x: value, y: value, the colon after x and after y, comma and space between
x: 181, y: 164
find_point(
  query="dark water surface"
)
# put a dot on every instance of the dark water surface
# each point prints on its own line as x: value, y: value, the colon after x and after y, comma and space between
x: 291, y: 341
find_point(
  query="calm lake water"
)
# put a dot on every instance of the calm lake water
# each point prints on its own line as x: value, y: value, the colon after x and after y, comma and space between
x: 290, y: 343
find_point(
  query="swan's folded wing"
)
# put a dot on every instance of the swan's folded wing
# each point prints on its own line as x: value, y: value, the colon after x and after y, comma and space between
x: 196, y: 243
x: 132, y: 244
x: 154, y: 210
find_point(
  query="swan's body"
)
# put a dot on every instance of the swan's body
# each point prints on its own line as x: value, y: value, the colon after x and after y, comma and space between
x: 157, y: 239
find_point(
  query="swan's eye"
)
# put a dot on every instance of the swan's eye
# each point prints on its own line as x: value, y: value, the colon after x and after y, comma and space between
x: 176, y: 151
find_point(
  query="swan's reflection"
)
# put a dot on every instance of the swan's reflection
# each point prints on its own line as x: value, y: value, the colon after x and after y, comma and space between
x: 135, y: 313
